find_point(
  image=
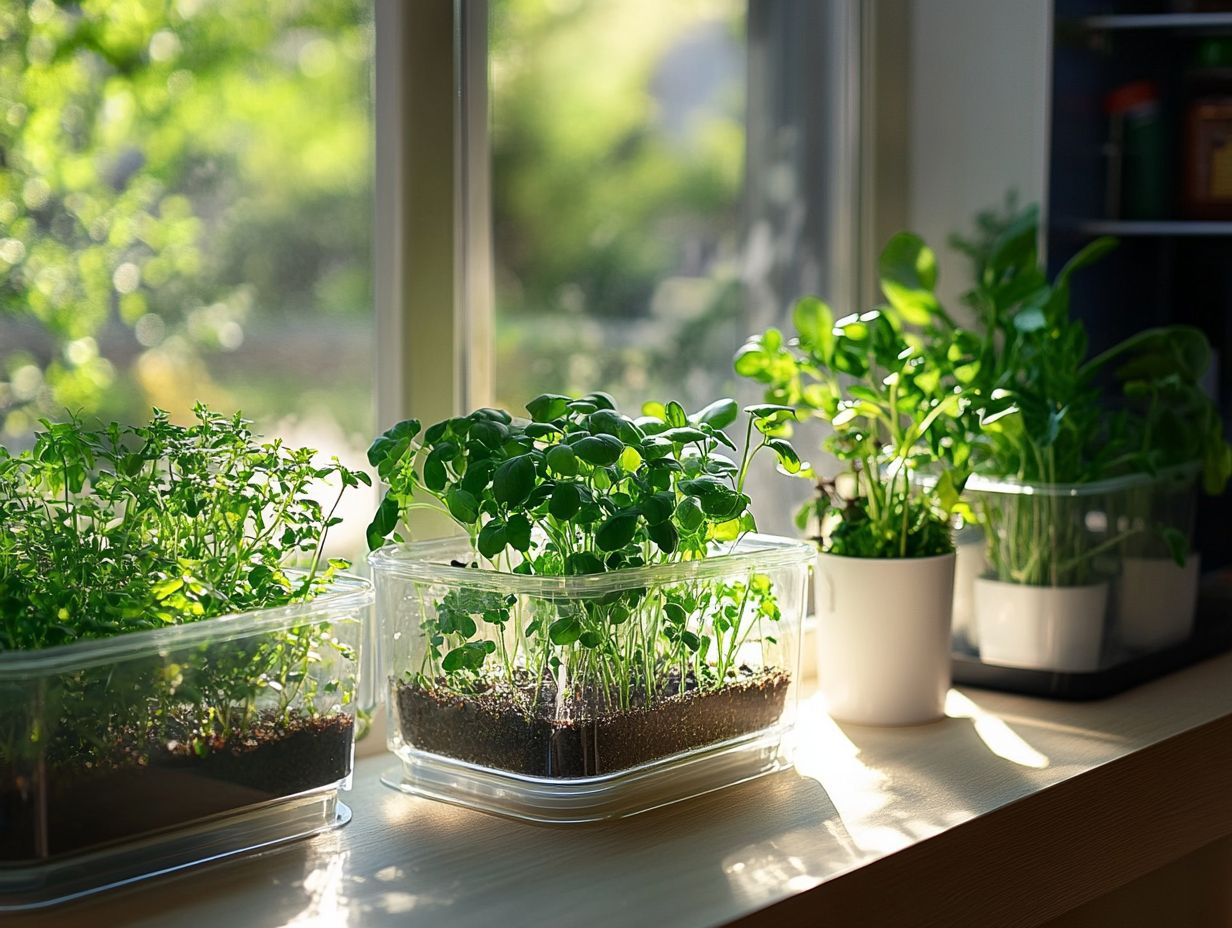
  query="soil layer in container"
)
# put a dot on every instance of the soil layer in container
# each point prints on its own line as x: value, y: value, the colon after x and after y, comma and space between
x: 144, y: 787
x: 494, y: 729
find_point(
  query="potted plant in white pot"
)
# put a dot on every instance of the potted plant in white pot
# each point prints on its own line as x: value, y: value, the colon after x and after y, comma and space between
x: 1051, y: 477
x: 1176, y: 431
x: 885, y: 571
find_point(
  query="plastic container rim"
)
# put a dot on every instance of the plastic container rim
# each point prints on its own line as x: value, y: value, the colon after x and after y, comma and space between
x: 345, y: 592
x: 753, y: 551
x: 979, y: 483
x: 889, y: 560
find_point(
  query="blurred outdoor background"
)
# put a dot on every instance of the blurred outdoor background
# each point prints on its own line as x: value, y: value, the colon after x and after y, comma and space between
x: 186, y: 207
x: 618, y: 150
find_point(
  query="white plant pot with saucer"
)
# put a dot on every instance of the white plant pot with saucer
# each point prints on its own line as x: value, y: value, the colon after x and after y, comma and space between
x: 1041, y: 627
x: 883, y: 637
x: 1156, y: 601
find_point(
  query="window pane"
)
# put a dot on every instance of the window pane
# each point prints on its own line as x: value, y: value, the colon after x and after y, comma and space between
x: 185, y: 213
x: 618, y: 147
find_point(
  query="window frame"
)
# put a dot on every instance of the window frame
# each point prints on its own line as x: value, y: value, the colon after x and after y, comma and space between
x: 433, y: 280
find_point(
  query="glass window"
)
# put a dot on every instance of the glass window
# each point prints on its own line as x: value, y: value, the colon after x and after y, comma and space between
x: 618, y: 158
x: 185, y: 213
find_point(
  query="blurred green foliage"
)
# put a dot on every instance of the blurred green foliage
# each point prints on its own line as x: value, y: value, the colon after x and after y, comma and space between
x: 617, y: 162
x: 172, y: 173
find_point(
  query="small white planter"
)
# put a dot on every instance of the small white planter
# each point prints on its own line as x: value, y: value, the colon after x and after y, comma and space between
x: 1040, y: 627
x: 883, y: 637
x: 970, y: 563
x: 1156, y: 601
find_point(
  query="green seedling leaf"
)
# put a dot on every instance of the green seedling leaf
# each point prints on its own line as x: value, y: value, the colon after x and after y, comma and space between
x: 565, y: 631
x: 683, y: 435
x: 492, y: 540
x: 658, y: 507
x: 514, y: 480
x: 548, y: 406
x: 718, y: 415
x: 599, y: 450
x: 786, y: 454
x: 562, y: 460
x: 665, y: 536
x: 566, y: 501
x: 463, y: 506
x: 814, y: 323
x: 434, y: 474
x: 518, y: 532
x: 617, y: 531
x: 752, y: 360
x: 907, y: 272
x: 689, y: 514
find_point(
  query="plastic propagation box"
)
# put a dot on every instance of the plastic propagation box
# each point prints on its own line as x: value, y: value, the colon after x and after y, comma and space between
x: 579, y: 698
x: 1076, y: 591
x: 128, y: 757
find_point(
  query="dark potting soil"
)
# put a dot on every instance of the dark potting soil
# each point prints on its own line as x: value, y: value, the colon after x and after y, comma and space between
x: 145, y: 786
x: 492, y: 729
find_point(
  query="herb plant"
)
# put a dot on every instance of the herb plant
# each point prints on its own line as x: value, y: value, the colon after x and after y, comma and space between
x: 1046, y: 416
x: 114, y: 530
x: 891, y: 383
x: 580, y: 490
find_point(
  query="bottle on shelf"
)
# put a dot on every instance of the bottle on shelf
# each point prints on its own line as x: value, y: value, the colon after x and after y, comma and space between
x: 1208, y: 133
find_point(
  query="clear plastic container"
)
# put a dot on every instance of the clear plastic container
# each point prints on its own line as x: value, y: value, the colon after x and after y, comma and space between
x: 1156, y: 593
x: 141, y: 754
x: 574, y: 699
x: 1060, y: 584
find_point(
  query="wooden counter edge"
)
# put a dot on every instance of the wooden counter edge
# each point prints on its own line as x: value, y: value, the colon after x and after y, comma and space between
x: 1044, y: 854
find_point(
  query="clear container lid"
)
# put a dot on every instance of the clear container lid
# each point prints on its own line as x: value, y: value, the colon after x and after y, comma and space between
x: 344, y: 594
x: 429, y: 561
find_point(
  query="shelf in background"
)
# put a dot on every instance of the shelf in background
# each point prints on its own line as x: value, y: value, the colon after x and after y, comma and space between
x: 1186, y: 21
x: 1160, y: 228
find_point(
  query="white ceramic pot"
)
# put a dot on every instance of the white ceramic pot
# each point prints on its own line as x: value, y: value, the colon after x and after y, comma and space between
x: 883, y: 637
x: 970, y: 563
x: 1156, y: 601
x: 1041, y: 627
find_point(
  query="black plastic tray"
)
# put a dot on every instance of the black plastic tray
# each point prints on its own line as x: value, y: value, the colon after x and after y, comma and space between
x: 1212, y: 635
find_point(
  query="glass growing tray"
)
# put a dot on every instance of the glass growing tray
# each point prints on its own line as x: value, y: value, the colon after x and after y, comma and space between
x: 1212, y: 635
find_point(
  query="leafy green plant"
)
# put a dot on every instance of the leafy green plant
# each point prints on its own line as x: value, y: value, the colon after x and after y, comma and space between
x: 1040, y: 413
x: 581, y: 489
x: 1170, y: 422
x: 1173, y: 430
x: 114, y: 530
x: 892, y: 384
x: 1046, y: 416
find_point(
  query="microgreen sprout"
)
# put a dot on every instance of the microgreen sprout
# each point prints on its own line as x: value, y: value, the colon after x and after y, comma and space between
x: 115, y: 530
x: 580, y: 489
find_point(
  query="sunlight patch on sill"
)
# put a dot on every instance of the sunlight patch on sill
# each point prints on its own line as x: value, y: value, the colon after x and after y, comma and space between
x: 324, y: 887
x: 994, y: 732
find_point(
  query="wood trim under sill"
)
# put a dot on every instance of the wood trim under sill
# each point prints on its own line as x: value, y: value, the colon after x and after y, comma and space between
x: 1044, y: 855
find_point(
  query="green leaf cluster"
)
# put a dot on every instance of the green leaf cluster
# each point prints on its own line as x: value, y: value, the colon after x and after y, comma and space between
x: 1051, y: 414
x: 111, y: 530
x: 894, y: 384
x: 579, y: 488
